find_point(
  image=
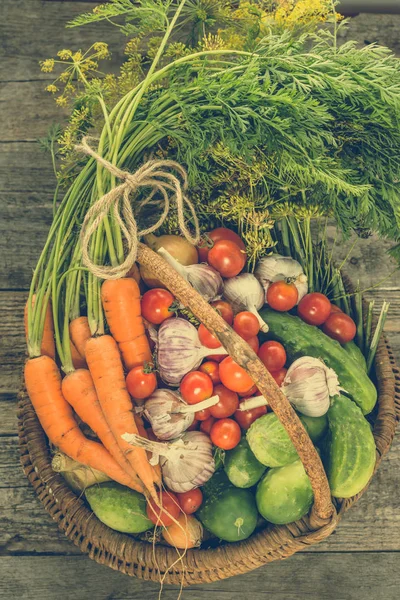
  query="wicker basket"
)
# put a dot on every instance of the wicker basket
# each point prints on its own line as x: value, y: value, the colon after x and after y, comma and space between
x: 136, y: 558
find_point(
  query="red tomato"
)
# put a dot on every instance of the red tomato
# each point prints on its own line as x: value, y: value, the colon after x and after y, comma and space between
x: 246, y: 324
x: 228, y: 402
x: 141, y: 384
x: 250, y: 392
x: 195, y: 387
x: 164, y: 514
x: 190, y: 501
x: 273, y: 355
x: 254, y: 343
x: 206, y: 425
x: 279, y: 376
x: 340, y: 327
x: 314, y: 308
x: 156, y: 305
x: 246, y: 417
x: 216, y: 357
x: 202, y: 415
x: 221, y: 233
x: 227, y: 258
x: 211, y: 368
x: 233, y: 376
x: 194, y: 426
x: 225, y: 433
x: 207, y: 338
x: 335, y: 309
x: 282, y: 296
x: 224, y: 309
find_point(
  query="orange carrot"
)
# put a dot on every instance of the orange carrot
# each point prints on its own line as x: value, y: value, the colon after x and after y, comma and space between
x: 77, y: 360
x: 121, y: 303
x: 79, y: 332
x: 48, y: 346
x: 104, y: 362
x: 43, y: 383
x: 79, y: 391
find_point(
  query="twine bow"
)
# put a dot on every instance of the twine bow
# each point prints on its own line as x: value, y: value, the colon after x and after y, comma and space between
x: 155, y: 174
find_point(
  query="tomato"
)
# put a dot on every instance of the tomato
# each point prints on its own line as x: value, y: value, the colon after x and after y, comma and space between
x: 233, y: 376
x: 194, y: 426
x: 314, y: 308
x: 221, y: 233
x: 140, y: 383
x: 216, y: 357
x: 156, y: 305
x: 207, y: 338
x: 340, y: 327
x: 202, y: 415
x: 335, y: 309
x: 227, y: 258
x: 206, y: 425
x: 254, y: 343
x: 246, y: 324
x: 195, y: 387
x: 190, y: 501
x: 224, y: 309
x: 250, y: 392
x: 273, y: 355
x: 225, y: 433
x: 211, y: 368
x: 164, y: 514
x: 228, y: 402
x: 151, y: 435
x: 246, y: 417
x: 279, y: 376
x: 282, y: 295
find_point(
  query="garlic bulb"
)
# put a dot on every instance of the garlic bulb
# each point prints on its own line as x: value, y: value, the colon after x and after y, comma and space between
x: 186, y: 463
x: 277, y: 268
x: 205, y: 280
x: 179, y: 350
x: 245, y: 292
x: 309, y: 384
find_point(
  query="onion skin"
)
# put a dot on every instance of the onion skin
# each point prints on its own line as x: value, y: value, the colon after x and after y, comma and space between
x: 186, y: 533
x: 182, y: 250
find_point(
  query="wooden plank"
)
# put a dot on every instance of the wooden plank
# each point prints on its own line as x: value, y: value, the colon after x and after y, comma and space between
x: 327, y: 577
x: 24, y: 168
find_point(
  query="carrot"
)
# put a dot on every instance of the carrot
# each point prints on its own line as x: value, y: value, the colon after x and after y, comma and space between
x: 48, y: 346
x: 43, y: 383
x: 79, y: 391
x: 79, y: 332
x: 77, y: 360
x: 121, y: 303
x: 104, y: 362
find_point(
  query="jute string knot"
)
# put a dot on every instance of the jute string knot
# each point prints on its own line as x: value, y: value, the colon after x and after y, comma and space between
x: 157, y: 175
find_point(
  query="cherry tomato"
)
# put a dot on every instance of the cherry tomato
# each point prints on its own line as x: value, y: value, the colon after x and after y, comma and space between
x: 207, y: 338
x: 224, y: 309
x: 202, y: 415
x: 216, y: 357
x: 250, y: 392
x: 273, y: 355
x: 246, y: 417
x: 225, y: 433
x: 195, y: 387
x: 140, y: 383
x: 221, y: 233
x: 335, y: 309
x: 279, y: 376
x: 227, y: 258
x: 190, y: 501
x: 211, y: 368
x: 194, y: 426
x: 314, y: 308
x: 340, y: 327
x: 282, y: 296
x: 246, y: 324
x: 164, y: 514
x: 156, y: 305
x: 233, y: 376
x: 254, y: 343
x: 228, y: 402
x: 206, y: 425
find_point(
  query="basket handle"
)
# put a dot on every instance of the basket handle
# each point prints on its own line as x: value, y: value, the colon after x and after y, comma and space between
x: 246, y: 358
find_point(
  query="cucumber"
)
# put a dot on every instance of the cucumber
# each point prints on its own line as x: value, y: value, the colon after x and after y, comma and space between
x: 354, y: 352
x: 228, y: 512
x: 349, y: 454
x: 316, y: 427
x: 301, y: 339
x: 119, y: 507
x: 242, y: 467
x: 284, y: 494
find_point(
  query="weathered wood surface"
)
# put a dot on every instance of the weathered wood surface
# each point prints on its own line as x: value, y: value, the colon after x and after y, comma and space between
x: 358, y: 560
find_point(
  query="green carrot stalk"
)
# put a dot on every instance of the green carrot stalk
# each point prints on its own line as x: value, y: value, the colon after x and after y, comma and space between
x: 368, y: 327
x: 359, y: 319
x: 377, y: 334
x: 343, y: 293
x: 285, y: 237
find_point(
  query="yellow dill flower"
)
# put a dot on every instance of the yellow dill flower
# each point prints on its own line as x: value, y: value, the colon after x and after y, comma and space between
x: 61, y: 100
x: 101, y: 48
x: 132, y: 47
x: 52, y: 88
x: 213, y: 42
x: 64, y: 54
x: 77, y: 57
x: 47, y: 65
x: 65, y: 75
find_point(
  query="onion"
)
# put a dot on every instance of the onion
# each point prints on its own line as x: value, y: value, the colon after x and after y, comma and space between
x: 182, y: 250
x: 186, y: 533
x: 245, y: 292
x: 78, y: 476
x: 277, y: 268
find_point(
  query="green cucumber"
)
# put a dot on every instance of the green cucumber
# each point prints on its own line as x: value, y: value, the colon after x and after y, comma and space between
x: 301, y: 339
x: 349, y: 454
x: 119, y: 507
x: 354, y: 351
x: 228, y: 512
x: 284, y: 494
x: 242, y: 467
x: 316, y: 427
